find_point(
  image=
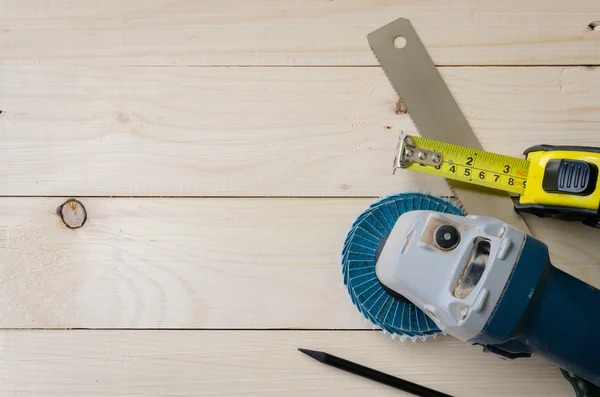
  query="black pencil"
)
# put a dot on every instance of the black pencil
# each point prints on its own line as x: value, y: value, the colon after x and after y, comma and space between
x: 372, y: 374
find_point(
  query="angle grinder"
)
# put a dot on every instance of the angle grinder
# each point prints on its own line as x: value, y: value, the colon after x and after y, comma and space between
x: 487, y: 283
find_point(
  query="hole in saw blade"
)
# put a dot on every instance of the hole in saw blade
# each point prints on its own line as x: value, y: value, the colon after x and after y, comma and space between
x: 399, y: 42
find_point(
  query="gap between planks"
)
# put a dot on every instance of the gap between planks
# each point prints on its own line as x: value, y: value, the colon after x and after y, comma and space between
x: 197, y: 329
x: 566, y: 65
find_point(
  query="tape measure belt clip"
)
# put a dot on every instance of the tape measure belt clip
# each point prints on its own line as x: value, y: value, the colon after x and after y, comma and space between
x: 589, y: 217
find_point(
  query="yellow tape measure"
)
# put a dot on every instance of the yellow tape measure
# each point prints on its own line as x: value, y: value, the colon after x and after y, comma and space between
x: 557, y: 181
x: 450, y: 161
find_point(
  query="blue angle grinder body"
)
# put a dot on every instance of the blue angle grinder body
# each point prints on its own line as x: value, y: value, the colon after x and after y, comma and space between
x: 415, y: 266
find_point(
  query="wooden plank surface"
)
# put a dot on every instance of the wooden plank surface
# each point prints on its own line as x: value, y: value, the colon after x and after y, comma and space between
x: 298, y: 32
x: 259, y: 131
x: 253, y: 363
x: 200, y: 263
x: 261, y: 124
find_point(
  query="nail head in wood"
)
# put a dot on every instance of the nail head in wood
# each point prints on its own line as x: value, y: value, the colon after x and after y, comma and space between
x: 73, y: 214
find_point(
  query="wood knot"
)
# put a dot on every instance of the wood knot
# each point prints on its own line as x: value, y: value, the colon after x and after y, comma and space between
x: 594, y: 26
x: 72, y: 213
x: 401, y: 108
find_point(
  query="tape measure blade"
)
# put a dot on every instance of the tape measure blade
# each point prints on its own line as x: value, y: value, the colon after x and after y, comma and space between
x: 474, y: 167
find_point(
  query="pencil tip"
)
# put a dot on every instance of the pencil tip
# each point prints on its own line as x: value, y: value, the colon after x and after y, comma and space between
x: 319, y: 356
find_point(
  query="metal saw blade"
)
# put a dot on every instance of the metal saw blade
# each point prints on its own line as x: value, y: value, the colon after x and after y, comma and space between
x: 434, y: 111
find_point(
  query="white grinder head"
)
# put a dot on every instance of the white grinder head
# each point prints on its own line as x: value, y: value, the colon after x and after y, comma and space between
x: 454, y: 268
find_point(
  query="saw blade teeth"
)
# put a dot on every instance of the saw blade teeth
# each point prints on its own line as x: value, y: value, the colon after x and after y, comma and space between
x: 405, y: 108
x: 456, y: 197
x: 416, y: 126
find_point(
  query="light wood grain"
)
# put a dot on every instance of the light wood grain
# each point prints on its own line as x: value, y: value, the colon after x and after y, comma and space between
x: 299, y: 32
x: 259, y: 131
x: 96, y: 99
x: 200, y: 263
x: 237, y: 363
